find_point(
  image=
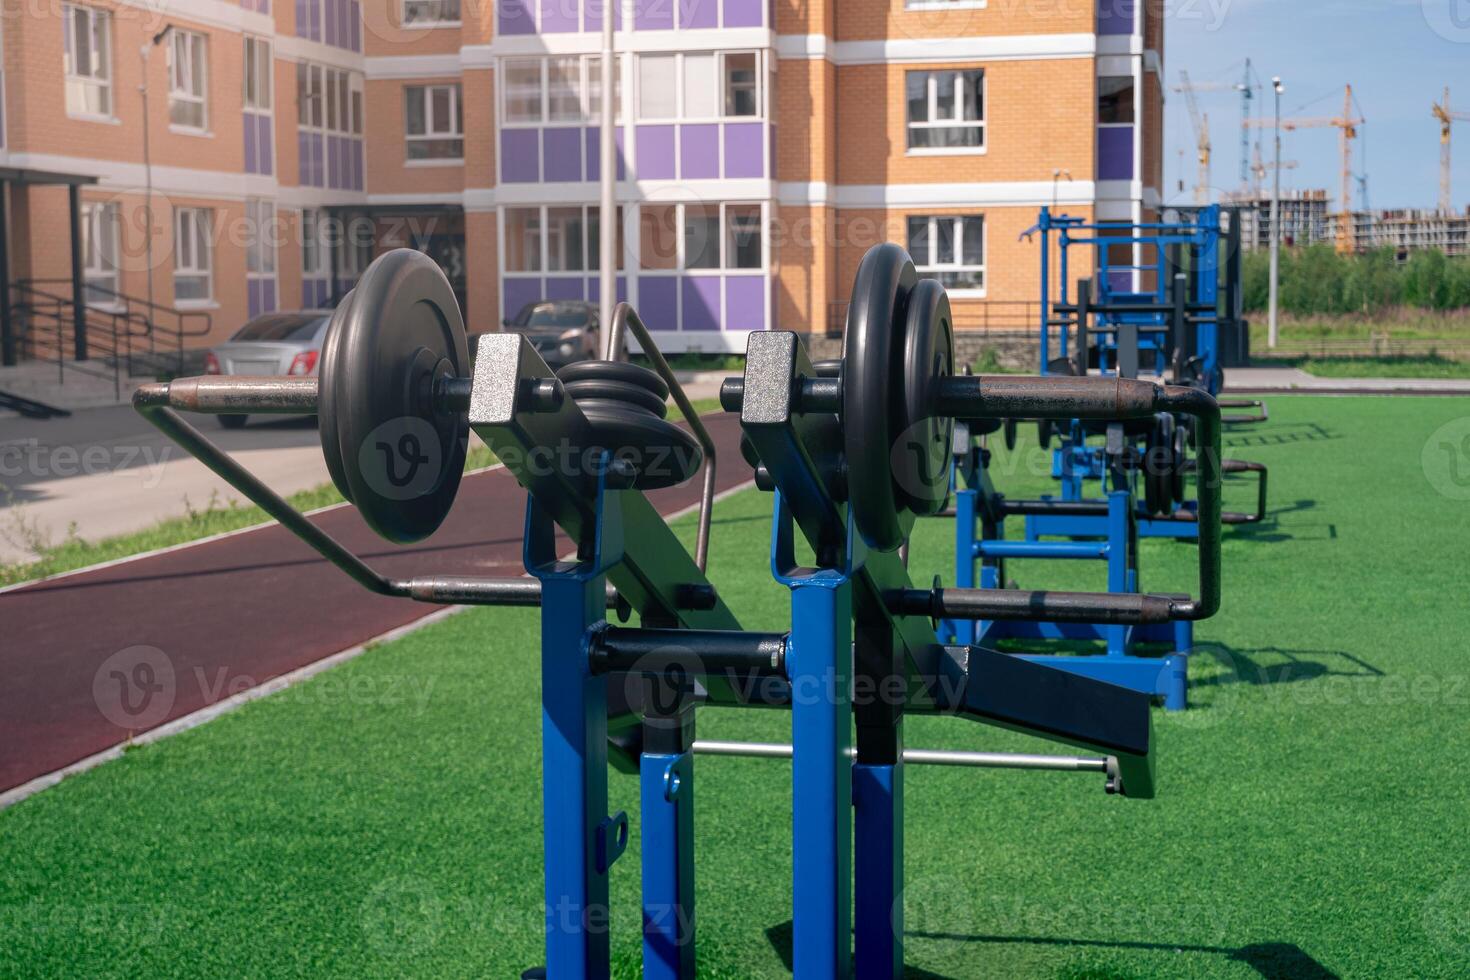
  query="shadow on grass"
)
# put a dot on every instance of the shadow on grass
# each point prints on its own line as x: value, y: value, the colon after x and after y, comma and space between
x: 1274, y: 961
x: 1293, y: 666
x: 1282, y: 434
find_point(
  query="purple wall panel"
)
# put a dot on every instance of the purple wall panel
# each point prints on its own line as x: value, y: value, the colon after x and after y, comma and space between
x: 329, y: 34
x: 268, y: 298
x: 266, y: 145
x: 252, y: 158
x: 653, y: 15
x: 658, y: 302
x: 745, y: 303
x: 559, y: 16
x: 744, y: 150
x: 356, y: 26
x: 699, y: 151
x: 655, y: 147
x: 701, y: 302
x: 594, y: 153
x: 699, y: 13
x: 560, y: 287
x: 1115, y: 153
x: 1115, y: 16
x: 517, y: 17
x: 744, y: 13
x: 562, y: 146
x: 516, y: 293
x: 520, y: 155
x: 594, y: 289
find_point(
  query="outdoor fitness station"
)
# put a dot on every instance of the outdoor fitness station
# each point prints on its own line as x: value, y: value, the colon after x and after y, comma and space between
x: 854, y: 454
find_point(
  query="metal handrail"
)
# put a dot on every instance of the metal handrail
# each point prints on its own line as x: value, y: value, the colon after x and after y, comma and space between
x: 148, y: 317
x: 626, y: 318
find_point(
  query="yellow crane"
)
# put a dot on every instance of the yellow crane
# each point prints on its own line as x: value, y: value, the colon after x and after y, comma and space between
x: 1447, y: 118
x: 1201, y: 123
x: 1347, y: 125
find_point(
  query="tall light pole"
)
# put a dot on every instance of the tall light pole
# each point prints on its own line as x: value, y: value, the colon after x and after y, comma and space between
x: 607, y: 273
x: 154, y: 42
x: 1272, y: 333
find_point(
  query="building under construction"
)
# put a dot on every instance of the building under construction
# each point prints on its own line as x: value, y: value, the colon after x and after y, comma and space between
x: 1405, y: 230
x: 1305, y: 218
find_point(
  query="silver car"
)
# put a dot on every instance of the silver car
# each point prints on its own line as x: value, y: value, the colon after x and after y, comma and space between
x: 273, y: 344
x: 562, y: 330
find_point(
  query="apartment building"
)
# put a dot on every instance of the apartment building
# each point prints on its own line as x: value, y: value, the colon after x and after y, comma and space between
x: 763, y: 147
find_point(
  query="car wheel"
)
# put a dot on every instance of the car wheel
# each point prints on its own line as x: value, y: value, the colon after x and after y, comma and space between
x: 233, y: 421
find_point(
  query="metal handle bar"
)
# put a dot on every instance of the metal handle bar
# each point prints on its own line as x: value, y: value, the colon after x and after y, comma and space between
x: 626, y: 318
x: 1264, y: 415
x: 1228, y: 466
x: 264, y: 396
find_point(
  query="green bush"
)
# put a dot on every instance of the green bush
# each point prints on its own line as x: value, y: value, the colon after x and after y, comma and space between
x: 1317, y: 281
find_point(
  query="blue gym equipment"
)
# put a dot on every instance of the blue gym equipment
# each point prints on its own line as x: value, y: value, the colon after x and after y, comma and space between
x: 853, y: 457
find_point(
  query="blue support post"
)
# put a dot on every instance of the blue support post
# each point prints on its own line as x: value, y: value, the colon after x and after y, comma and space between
x: 666, y: 784
x: 1119, y: 502
x: 964, y: 549
x: 581, y: 840
x: 877, y: 797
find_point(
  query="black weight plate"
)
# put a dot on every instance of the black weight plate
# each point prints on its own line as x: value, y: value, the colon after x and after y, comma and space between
x: 1044, y: 430
x: 623, y: 371
x: 985, y: 427
x: 1061, y: 365
x: 326, y: 401
x: 1010, y: 431
x: 598, y: 389
x: 922, y: 441
x: 661, y: 453
x: 870, y: 398
x: 401, y: 334
x: 1157, y: 481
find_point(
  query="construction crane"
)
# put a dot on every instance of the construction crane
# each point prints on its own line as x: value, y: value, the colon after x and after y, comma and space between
x: 1201, y: 123
x: 1247, y: 87
x: 1347, y: 125
x: 1446, y: 118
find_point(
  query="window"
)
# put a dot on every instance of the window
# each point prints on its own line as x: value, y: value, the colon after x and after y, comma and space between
x: 742, y: 97
x: 556, y: 239
x: 100, y: 226
x: 701, y: 237
x: 946, y: 110
x: 314, y: 264
x: 430, y: 12
x: 328, y: 99
x: 564, y: 88
x: 435, y: 122
x: 187, y: 79
x: 88, y: 61
x: 1115, y: 99
x: 192, y: 247
x: 259, y: 68
x: 951, y: 250
x: 260, y: 245
x: 699, y: 86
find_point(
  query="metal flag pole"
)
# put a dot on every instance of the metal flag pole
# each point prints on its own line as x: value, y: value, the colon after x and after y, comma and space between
x: 607, y: 175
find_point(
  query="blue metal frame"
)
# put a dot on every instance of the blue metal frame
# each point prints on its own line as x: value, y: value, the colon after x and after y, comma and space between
x: 1113, y: 281
x: 1163, y: 677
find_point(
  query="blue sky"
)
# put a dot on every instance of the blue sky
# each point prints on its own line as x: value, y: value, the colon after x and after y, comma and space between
x: 1398, y: 54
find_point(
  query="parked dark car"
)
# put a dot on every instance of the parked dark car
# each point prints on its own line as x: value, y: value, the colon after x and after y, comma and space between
x: 276, y: 343
x: 562, y: 330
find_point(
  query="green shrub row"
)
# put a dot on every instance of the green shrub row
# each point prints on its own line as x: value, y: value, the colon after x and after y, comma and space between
x: 1318, y: 281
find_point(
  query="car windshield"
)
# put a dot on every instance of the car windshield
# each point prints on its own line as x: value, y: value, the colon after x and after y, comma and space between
x: 548, y: 316
x: 282, y: 327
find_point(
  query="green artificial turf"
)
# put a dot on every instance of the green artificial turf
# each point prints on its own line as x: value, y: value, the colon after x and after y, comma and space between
x: 383, y: 819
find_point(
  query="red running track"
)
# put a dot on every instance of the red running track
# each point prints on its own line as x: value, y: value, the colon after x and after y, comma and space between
x: 231, y: 614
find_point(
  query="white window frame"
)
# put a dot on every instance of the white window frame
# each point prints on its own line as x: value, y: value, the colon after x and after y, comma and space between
x: 314, y: 245
x: 957, y: 121
x: 681, y: 261
x: 680, y: 111
x: 77, y: 82
x: 102, y: 222
x: 181, y: 46
x: 430, y: 134
x: 196, y: 225
x: 430, y: 22
x: 925, y: 265
x: 589, y: 71
x: 591, y: 257
x: 319, y: 80
x: 1132, y: 103
x: 260, y: 247
x: 263, y: 100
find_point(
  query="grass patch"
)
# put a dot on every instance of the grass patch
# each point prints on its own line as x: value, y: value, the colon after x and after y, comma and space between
x: 1395, y: 325
x: 384, y: 818
x: 1429, y: 366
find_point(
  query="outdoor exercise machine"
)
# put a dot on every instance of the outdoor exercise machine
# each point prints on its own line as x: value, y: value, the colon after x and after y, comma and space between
x: 396, y: 400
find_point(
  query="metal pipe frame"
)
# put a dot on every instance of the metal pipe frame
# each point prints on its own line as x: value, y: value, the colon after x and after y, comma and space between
x: 625, y: 318
x: 919, y: 757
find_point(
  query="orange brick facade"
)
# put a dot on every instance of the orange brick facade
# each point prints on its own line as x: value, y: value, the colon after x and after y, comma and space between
x: 842, y: 176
